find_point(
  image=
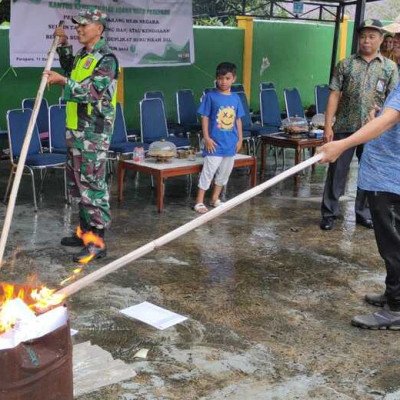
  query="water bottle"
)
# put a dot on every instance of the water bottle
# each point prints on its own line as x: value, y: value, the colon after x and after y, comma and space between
x: 136, y: 155
x: 141, y: 153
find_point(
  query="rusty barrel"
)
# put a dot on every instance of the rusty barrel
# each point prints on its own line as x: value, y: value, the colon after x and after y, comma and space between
x: 40, y: 369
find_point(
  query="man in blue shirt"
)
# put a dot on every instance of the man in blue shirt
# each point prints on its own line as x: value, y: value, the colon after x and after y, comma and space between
x: 221, y: 113
x: 379, y: 176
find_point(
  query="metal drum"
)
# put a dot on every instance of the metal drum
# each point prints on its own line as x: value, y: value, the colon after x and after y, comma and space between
x: 40, y: 369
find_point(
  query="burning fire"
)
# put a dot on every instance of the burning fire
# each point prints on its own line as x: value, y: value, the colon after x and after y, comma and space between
x: 37, y: 299
x: 89, y: 237
x: 74, y: 274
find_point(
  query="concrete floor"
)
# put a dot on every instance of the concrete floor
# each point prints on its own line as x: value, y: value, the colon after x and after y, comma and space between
x: 269, y: 296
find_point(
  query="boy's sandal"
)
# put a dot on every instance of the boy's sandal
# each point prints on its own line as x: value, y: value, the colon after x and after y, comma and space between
x: 200, y: 208
x: 217, y: 203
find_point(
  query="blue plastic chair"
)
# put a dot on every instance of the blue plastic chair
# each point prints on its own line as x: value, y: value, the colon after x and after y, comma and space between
x: 17, y: 124
x: 209, y: 89
x: 250, y: 131
x: 294, y: 107
x: 270, y: 111
x: 57, y: 118
x: 267, y: 85
x: 321, y: 98
x: 237, y: 87
x: 119, y: 141
x: 42, y: 120
x: 157, y: 94
x: 270, y: 116
x: 173, y: 128
x: 187, y: 110
x: 153, y: 124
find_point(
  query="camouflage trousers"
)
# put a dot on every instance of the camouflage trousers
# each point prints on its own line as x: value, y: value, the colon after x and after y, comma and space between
x: 86, y: 176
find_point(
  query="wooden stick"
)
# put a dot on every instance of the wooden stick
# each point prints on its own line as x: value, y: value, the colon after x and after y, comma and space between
x: 25, y: 147
x: 147, y: 248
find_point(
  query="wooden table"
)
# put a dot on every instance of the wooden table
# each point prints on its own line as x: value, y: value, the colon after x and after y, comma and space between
x: 176, y: 167
x: 287, y: 141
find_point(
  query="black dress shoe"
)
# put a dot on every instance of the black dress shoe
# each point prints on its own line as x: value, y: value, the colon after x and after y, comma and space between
x: 367, y: 223
x: 89, y: 253
x: 326, y: 224
x: 72, y: 241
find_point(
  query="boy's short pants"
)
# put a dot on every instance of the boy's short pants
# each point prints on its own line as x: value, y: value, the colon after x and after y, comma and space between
x: 221, y: 167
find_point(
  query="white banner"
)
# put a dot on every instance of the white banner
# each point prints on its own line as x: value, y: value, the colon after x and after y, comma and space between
x: 142, y: 33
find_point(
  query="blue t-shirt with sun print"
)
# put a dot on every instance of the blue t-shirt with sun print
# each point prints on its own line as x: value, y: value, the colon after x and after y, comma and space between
x: 222, y: 111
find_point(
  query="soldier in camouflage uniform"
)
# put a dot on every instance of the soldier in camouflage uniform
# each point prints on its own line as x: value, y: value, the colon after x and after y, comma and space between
x: 90, y: 93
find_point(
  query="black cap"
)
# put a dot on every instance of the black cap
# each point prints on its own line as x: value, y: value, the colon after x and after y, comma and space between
x: 371, y: 24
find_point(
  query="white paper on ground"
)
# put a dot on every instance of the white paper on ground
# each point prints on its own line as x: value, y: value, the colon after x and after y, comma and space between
x: 142, y: 353
x: 153, y: 315
x: 28, y: 328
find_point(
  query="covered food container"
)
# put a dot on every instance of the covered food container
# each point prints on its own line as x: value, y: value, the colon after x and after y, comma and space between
x: 318, y: 121
x: 295, y: 125
x: 162, y: 150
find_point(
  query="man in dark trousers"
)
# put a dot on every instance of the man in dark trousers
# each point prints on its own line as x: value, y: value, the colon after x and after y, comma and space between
x: 90, y: 93
x: 379, y: 176
x: 360, y: 83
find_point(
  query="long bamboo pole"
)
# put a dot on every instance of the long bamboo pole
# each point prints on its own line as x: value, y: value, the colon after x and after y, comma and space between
x: 147, y: 248
x: 25, y: 147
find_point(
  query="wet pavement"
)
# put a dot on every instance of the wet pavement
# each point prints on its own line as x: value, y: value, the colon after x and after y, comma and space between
x: 268, y: 295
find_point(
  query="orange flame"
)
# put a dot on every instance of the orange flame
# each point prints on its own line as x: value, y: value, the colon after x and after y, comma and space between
x: 37, y: 299
x: 89, y: 237
x: 86, y: 260
x: 74, y: 274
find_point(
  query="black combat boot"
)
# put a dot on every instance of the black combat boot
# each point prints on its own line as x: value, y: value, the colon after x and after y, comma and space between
x: 74, y: 240
x: 92, y: 251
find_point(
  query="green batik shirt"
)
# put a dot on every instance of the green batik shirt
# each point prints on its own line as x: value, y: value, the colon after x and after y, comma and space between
x: 97, y: 91
x: 362, y: 85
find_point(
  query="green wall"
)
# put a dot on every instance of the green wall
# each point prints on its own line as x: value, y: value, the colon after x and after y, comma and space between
x: 299, y: 55
x: 212, y: 46
x: 14, y: 89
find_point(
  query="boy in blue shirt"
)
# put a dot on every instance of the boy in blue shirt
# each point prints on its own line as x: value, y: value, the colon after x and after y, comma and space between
x: 221, y: 113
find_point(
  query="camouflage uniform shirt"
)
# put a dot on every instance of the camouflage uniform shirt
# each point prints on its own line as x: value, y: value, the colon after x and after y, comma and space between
x: 362, y: 85
x: 95, y: 91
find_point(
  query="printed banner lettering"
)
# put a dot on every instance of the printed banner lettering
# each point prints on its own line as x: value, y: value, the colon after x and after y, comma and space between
x: 142, y: 33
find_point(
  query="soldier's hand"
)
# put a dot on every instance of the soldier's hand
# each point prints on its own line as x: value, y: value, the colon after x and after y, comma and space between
x: 54, y: 78
x: 63, y: 38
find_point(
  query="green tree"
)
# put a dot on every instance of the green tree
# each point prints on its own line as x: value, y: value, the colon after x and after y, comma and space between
x: 387, y: 10
x: 4, y: 10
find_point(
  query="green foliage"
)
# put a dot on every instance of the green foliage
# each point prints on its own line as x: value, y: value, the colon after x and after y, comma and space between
x: 4, y: 10
x: 385, y: 10
x: 215, y: 21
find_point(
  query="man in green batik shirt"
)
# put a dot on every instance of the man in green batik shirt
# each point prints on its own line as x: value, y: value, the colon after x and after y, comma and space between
x: 360, y: 83
x: 90, y: 93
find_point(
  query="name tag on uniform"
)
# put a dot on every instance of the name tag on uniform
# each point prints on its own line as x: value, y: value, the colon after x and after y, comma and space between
x: 381, y: 85
x: 88, y: 63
